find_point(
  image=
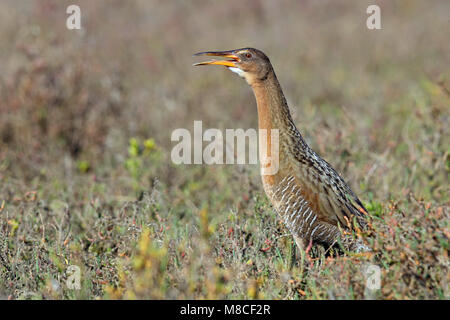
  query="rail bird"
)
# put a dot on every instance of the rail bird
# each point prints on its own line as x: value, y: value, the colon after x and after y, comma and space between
x: 312, y: 199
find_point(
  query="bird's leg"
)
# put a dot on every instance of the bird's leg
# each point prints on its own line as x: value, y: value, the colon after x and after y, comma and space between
x: 296, y: 254
x: 299, y: 242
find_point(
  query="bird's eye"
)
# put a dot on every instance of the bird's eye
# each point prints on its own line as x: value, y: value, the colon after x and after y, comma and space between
x: 248, y: 55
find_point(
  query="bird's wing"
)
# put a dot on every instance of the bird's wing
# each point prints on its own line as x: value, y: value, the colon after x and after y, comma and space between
x: 331, y: 197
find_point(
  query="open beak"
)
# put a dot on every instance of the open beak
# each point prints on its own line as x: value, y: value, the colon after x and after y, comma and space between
x: 225, y: 54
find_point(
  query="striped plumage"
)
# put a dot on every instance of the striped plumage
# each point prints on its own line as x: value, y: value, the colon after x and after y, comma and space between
x: 308, y: 194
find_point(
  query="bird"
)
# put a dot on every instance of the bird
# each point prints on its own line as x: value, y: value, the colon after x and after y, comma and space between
x: 315, y: 203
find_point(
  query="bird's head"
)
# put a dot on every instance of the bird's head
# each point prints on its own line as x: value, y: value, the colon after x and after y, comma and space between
x: 251, y: 64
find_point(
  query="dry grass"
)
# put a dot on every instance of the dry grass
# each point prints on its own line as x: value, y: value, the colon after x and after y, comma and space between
x: 85, y: 171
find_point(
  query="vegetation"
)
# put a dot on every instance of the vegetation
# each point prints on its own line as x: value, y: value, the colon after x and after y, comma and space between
x: 86, y: 177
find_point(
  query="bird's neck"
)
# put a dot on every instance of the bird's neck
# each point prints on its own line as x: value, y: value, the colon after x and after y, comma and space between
x: 273, y: 111
x: 273, y: 114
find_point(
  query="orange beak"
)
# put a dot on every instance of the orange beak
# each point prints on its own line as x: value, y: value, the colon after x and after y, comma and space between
x: 226, y: 54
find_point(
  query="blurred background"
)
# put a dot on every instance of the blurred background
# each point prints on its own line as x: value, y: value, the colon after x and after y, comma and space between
x: 86, y: 115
